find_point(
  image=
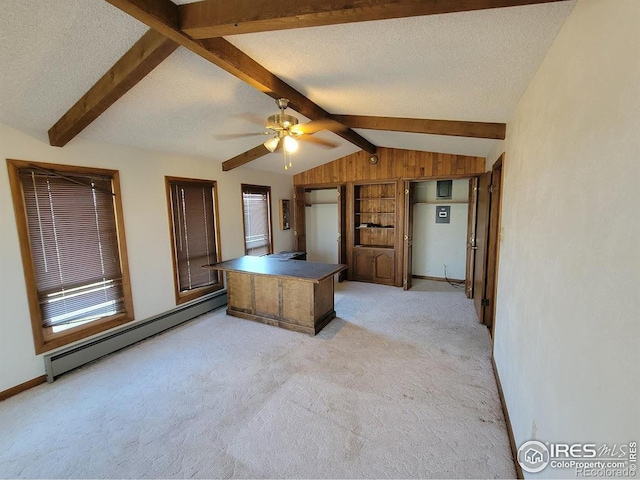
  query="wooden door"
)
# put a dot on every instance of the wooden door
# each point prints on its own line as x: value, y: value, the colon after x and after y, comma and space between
x: 493, y: 244
x: 362, y: 265
x: 409, y: 200
x: 299, y: 220
x: 342, y: 229
x: 471, y: 235
x: 482, y: 235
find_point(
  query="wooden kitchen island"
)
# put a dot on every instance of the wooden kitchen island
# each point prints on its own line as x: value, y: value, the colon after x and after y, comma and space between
x: 292, y: 294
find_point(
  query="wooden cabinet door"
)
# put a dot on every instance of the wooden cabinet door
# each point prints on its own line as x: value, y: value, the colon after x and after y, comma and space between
x: 384, y: 267
x: 362, y: 265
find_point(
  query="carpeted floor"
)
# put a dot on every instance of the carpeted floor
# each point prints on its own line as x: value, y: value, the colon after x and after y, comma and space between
x: 399, y: 385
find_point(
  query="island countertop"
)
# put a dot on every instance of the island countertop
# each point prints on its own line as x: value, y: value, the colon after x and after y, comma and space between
x: 298, y: 269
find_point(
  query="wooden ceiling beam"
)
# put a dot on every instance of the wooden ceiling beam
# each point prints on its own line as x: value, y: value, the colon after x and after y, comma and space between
x: 245, y: 157
x: 146, y: 54
x: 419, y: 125
x: 217, y: 18
x: 163, y: 16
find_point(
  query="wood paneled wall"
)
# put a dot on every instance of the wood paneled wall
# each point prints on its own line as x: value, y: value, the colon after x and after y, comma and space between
x: 393, y: 164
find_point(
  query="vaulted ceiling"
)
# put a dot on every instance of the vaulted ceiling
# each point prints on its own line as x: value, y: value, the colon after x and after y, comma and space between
x: 467, y: 66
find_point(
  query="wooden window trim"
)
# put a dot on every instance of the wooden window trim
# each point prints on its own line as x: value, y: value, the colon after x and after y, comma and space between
x: 262, y: 188
x: 43, y: 338
x: 184, y: 297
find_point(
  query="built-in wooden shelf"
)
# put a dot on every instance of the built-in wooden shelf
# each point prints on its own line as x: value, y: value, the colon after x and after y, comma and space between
x: 375, y: 213
x: 373, y: 253
x: 377, y: 247
x: 381, y: 228
x: 441, y: 202
x: 376, y: 198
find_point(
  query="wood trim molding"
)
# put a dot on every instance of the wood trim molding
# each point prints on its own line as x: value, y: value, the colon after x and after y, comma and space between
x: 163, y: 16
x: 146, y: 54
x: 439, y: 279
x: 43, y: 339
x: 512, y: 441
x: 217, y: 18
x: 260, y: 189
x: 184, y: 297
x: 34, y: 382
x: 419, y: 125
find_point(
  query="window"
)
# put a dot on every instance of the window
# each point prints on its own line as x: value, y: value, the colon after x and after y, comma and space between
x: 73, y: 250
x: 256, y: 212
x: 193, y: 208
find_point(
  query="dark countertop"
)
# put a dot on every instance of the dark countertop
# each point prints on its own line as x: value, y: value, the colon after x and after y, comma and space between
x: 298, y: 269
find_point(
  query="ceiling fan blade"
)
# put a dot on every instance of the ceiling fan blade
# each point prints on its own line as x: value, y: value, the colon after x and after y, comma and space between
x: 315, y: 126
x: 251, y: 118
x: 319, y: 141
x: 233, y: 136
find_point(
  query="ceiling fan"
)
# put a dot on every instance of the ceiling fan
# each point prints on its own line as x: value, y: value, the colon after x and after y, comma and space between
x: 285, y: 131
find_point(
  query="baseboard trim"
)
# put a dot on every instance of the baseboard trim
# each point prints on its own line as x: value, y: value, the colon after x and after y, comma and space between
x: 512, y: 440
x: 438, y: 279
x: 34, y: 382
x: 65, y: 360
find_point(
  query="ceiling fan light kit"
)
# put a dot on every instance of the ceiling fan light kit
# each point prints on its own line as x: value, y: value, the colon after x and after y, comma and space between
x: 281, y: 124
x: 290, y: 144
x: 286, y: 128
x: 272, y: 144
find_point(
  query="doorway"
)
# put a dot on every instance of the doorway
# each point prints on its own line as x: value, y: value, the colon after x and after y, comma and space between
x: 320, y: 224
x: 322, y: 229
x: 436, y: 229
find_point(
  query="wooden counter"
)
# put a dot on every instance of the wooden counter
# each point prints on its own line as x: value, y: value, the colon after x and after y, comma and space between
x: 292, y: 294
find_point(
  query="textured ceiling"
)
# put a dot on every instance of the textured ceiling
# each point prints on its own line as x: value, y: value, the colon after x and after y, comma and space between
x: 464, y: 66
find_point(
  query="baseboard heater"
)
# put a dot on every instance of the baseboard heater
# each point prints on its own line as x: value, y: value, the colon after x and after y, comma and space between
x: 64, y: 360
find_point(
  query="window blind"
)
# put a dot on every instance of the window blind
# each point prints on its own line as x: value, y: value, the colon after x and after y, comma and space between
x: 194, y: 234
x: 74, y: 246
x: 256, y: 220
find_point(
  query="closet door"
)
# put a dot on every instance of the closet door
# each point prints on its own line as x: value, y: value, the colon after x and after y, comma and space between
x: 407, y: 240
x: 299, y: 220
x: 480, y: 243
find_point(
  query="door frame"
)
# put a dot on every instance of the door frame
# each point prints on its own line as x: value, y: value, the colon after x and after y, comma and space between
x: 471, y: 235
x: 300, y: 219
x: 493, y: 248
x: 406, y: 232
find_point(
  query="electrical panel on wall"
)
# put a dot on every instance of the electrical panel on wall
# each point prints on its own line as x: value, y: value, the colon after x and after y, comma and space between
x: 444, y: 189
x: 443, y: 214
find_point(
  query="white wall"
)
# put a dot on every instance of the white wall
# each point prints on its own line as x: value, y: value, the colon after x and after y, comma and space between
x: 146, y: 225
x: 437, y: 244
x: 321, y: 219
x: 568, y: 302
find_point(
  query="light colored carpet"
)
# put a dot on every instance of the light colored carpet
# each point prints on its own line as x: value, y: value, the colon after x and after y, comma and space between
x: 400, y: 385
